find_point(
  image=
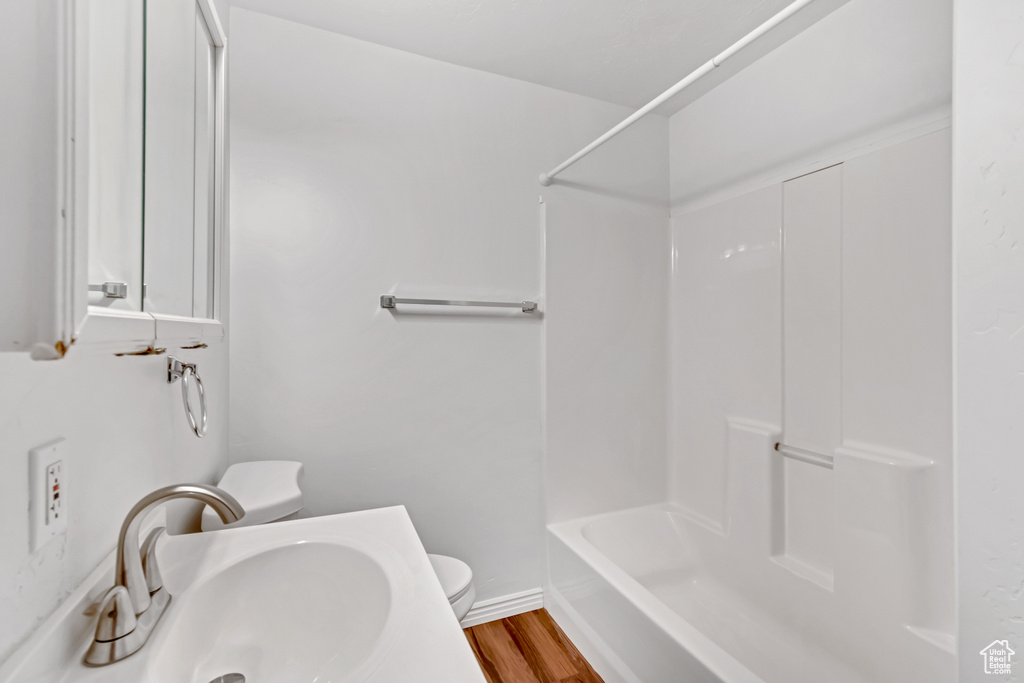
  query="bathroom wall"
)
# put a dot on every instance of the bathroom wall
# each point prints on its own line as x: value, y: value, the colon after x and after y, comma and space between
x: 126, y: 435
x: 360, y: 170
x: 988, y: 228
x: 124, y: 426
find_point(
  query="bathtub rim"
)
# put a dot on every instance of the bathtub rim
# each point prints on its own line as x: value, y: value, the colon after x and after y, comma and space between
x: 712, y: 656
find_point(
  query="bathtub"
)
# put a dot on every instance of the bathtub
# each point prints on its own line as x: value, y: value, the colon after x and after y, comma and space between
x: 655, y: 595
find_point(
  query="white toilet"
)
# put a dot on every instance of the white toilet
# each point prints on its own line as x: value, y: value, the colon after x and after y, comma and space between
x: 270, y: 491
x: 457, y: 581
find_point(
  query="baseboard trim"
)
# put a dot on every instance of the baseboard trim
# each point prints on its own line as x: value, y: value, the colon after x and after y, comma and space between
x: 505, y: 606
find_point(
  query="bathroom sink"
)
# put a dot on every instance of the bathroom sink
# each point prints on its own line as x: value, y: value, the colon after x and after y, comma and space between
x: 308, y: 611
x: 333, y: 599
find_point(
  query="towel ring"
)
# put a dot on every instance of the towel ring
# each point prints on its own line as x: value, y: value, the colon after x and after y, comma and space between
x: 187, y: 373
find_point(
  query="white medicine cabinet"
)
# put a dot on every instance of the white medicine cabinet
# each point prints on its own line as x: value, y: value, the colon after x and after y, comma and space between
x: 140, y: 240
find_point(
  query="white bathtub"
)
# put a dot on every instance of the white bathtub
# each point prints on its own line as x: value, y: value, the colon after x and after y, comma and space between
x: 652, y: 595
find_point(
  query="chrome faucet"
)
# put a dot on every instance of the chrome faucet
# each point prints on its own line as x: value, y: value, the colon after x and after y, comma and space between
x: 131, y: 609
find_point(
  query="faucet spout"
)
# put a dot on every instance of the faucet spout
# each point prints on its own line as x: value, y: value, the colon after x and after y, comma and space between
x: 128, y: 612
x: 129, y: 571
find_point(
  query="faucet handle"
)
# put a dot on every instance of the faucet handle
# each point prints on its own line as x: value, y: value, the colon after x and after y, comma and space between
x: 117, y: 630
x: 154, y: 581
x: 117, y: 616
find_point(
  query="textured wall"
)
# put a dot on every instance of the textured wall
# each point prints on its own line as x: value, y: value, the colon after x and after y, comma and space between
x: 988, y: 229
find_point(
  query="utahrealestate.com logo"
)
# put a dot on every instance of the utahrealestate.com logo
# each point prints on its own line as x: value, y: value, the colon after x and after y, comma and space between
x: 997, y: 657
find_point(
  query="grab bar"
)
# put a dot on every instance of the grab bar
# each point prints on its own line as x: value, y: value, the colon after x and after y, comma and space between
x: 810, y: 457
x: 389, y: 301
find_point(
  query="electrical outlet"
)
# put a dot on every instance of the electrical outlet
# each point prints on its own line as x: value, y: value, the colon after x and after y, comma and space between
x: 54, y: 484
x: 47, y: 493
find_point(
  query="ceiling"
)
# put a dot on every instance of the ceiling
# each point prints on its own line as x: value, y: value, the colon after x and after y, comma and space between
x: 622, y: 51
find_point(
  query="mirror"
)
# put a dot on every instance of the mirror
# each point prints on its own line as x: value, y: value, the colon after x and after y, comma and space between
x: 152, y: 99
x: 180, y: 159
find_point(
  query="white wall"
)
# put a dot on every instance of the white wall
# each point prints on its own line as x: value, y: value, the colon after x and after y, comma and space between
x: 988, y: 228
x: 126, y: 435
x: 359, y: 170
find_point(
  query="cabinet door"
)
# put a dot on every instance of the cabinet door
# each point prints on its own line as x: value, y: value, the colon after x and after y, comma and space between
x: 133, y: 180
x: 110, y: 136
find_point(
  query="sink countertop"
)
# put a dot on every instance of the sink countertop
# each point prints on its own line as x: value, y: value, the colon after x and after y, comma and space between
x: 411, y: 634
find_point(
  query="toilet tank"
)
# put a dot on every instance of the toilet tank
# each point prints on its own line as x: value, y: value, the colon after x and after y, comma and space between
x: 268, y: 491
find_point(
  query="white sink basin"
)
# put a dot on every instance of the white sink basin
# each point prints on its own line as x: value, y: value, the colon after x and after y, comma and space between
x: 279, y: 615
x: 324, y: 600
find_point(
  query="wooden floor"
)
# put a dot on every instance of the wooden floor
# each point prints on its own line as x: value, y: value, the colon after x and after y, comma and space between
x: 528, y: 648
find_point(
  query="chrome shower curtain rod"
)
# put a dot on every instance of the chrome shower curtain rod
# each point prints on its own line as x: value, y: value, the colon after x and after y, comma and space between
x: 547, y: 178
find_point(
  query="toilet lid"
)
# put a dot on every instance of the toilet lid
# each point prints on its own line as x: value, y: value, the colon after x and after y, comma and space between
x: 454, y: 575
x: 267, y: 490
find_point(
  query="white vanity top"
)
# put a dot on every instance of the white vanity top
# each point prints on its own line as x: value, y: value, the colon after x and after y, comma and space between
x: 348, y: 597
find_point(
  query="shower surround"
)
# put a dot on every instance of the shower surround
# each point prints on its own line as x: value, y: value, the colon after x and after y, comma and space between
x: 809, y: 274
x: 766, y: 568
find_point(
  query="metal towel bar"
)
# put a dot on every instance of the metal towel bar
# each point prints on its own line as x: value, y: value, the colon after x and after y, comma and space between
x: 810, y: 457
x: 389, y: 301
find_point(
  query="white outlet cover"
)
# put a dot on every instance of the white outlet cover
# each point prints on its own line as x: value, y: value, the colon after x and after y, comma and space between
x: 40, y: 491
